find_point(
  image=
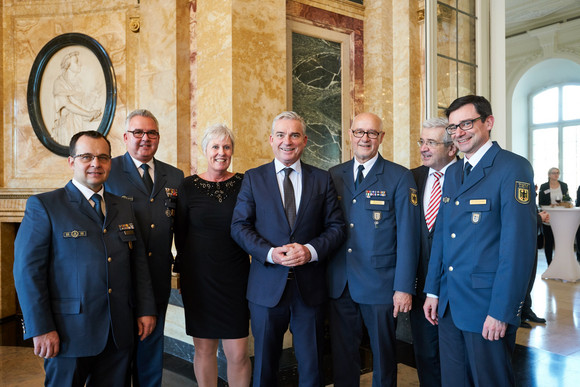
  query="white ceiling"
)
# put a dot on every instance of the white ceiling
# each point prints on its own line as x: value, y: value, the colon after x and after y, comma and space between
x: 525, y: 15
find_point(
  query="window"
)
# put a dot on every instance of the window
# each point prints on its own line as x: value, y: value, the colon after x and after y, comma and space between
x: 555, y: 128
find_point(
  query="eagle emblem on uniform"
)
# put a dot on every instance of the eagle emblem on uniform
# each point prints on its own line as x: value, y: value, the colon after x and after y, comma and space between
x: 522, y: 192
x: 413, y: 197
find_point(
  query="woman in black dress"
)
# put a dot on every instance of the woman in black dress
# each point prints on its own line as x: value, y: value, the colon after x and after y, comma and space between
x: 550, y: 193
x: 213, y: 268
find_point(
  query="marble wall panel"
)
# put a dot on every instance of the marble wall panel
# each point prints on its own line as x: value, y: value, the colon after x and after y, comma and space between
x: 316, y: 96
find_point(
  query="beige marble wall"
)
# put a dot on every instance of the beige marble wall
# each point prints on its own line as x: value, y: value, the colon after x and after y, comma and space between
x: 147, y: 65
x: 241, y: 74
x: 392, y: 76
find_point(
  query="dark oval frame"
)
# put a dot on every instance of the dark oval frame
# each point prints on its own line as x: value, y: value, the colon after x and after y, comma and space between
x: 35, y: 79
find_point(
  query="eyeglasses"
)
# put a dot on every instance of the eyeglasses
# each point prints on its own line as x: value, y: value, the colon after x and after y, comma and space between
x: 464, y: 125
x: 139, y: 133
x: 359, y: 133
x: 431, y: 143
x: 88, y: 157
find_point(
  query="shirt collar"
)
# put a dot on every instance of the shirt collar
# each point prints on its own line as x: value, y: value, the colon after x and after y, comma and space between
x: 138, y: 163
x: 297, y: 167
x: 477, y: 156
x: 86, y: 191
x: 444, y: 169
x: 368, y: 164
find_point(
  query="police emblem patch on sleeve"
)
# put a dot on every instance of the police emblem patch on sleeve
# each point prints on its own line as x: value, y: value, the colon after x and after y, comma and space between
x: 522, y: 192
x: 413, y: 196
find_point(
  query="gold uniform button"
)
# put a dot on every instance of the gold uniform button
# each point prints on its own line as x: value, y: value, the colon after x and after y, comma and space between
x: 352, y: 225
x: 104, y: 231
x: 450, y: 268
x: 110, y: 291
x: 109, y: 259
x: 457, y: 202
x: 151, y: 200
x: 152, y: 225
x: 150, y: 253
x: 453, y: 235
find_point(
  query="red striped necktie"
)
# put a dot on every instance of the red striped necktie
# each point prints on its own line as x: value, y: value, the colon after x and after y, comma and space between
x: 434, y: 201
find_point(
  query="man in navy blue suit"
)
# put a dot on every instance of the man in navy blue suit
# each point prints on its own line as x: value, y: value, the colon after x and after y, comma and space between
x: 483, y: 252
x: 288, y: 219
x: 81, y: 274
x: 371, y: 278
x: 437, y: 153
x: 151, y: 186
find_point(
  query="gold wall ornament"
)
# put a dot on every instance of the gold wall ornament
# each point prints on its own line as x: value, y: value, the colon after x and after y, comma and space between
x: 134, y: 24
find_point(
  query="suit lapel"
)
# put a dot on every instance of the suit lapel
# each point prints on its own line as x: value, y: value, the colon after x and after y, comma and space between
x: 160, y: 178
x: 307, y: 187
x: 112, y: 209
x: 133, y: 174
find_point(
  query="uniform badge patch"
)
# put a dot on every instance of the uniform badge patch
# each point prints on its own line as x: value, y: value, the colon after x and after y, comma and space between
x: 413, y: 197
x: 475, y: 217
x: 522, y: 192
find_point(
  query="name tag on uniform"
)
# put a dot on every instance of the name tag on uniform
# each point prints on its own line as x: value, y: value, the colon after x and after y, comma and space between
x: 378, y: 202
x: 477, y: 201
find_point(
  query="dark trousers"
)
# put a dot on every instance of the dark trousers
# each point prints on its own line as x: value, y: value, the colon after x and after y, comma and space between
x: 268, y: 328
x: 527, y: 307
x: 107, y: 369
x: 467, y: 359
x: 346, y: 319
x: 147, y: 362
x: 548, y: 242
x: 425, y: 346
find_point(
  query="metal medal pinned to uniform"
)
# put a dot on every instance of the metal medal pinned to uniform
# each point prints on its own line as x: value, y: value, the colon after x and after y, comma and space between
x: 74, y: 234
x: 413, y: 196
x: 171, y: 201
x: 377, y: 216
x: 446, y: 199
x: 522, y: 192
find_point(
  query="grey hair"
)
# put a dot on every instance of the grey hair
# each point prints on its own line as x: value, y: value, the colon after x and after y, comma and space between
x: 141, y: 113
x: 439, y: 122
x: 289, y: 115
x: 553, y: 169
x: 216, y: 131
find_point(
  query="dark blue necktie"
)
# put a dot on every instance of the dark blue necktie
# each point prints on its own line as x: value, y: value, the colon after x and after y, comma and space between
x: 466, y: 170
x: 359, y: 177
x: 147, y: 178
x: 96, y: 198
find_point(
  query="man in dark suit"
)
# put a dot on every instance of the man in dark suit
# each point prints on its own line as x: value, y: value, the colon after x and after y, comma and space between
x: 372, y: 276
x: 437, y: 153
x: 482, y: 253
x: 288, y: 219
x: 78, y: 265
x: 151, y: 186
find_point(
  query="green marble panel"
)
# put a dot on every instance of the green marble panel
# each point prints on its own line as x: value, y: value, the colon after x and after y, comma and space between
x: 316, y: 96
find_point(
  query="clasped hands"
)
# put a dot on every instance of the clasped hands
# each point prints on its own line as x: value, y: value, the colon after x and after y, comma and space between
x: 291, y: 255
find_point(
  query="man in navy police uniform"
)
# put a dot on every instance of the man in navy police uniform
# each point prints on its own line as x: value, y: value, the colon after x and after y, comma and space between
x: 151, y: 186
x: 483, y: 252
x: 371, y: 278
x: 81, y: 275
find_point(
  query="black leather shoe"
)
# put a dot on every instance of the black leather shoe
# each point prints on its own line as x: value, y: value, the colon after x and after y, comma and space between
x: 531, y: 316
x: 526, y: 325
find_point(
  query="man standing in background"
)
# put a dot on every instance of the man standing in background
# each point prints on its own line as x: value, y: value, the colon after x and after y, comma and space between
x: 437, y: 153
x: 151, y: 186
